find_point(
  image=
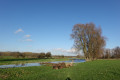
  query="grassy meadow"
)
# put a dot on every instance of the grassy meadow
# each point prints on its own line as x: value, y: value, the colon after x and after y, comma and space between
x: 92, y: 70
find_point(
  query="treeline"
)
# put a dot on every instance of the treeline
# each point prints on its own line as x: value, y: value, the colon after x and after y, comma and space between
x: 27, y: 54
x: 111, y: 53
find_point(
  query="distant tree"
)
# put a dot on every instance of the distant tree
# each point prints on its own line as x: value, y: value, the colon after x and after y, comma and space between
x: 62, y: 56
x: 41, y: 55
x: 48, y: 54
x: 22, y: 55
x: 27, y: 54
x: 0, y: 53
x: 117, y: 52
x: 112, y: 53
x: 107, y: 53
x: 16, y: 54
x: 35, y: 55
x: 88, y: 38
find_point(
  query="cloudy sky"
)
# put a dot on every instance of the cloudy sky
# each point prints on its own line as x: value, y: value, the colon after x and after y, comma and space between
x: 46, y: 25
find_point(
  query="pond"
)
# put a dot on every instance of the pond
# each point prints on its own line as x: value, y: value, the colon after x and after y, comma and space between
x: 39, y: 64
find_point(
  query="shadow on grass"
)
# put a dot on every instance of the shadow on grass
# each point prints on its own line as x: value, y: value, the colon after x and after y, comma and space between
x: 24, y: 59
x: 67, y: 78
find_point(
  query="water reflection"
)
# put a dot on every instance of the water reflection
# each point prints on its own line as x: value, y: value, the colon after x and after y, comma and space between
x: 38, y: 64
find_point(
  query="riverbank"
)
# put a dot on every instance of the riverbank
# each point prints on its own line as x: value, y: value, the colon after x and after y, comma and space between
x: 12, y: 60
x: 92, y: 70
x: 68, y: 62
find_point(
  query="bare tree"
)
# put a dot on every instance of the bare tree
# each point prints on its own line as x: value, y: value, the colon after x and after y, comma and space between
x: 107, y: 53
x: 117, y: 52
x: 88, y: 38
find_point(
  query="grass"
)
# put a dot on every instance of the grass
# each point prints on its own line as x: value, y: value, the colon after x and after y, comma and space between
x: 11, y: 60
x: 93, y: 70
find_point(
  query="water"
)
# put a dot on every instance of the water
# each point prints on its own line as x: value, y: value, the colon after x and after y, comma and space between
x: 38, y: 64
x: 74, y: 61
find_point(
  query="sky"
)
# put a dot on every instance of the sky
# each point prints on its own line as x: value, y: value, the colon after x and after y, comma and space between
x: 46, y: 25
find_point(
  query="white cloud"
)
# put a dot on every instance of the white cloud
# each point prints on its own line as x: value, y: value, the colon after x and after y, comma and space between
x: 29, y: 46
x: 27, y: 36
x: 73, y: 50
x: 19, y: 30
x: 28, y: 40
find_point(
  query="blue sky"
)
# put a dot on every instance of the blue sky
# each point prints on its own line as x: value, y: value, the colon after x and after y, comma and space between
x: 46, y: 25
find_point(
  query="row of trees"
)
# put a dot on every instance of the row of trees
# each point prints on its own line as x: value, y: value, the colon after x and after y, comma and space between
x: 27, y: 54
x: 112, y: 53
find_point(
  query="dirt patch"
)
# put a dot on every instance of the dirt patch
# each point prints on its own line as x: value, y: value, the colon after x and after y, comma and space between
x: 3, y: 76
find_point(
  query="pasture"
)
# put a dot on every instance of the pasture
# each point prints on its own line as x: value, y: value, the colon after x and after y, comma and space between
x: 92, y: 70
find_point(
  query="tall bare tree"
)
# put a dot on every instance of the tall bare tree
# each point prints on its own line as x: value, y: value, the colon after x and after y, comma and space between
x: 88, y: 38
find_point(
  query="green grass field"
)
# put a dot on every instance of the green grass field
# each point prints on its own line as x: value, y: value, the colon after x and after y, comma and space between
x: 93, y: 70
